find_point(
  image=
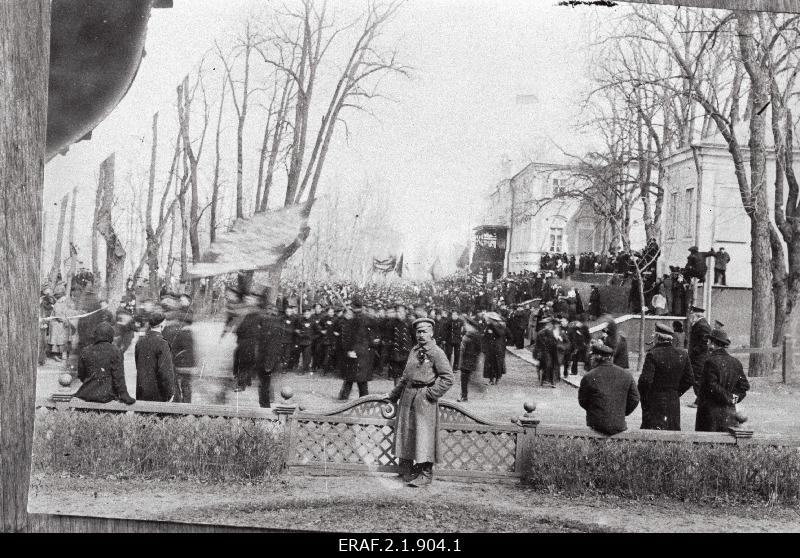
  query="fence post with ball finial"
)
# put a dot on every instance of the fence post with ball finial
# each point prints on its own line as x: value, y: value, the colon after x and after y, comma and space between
x: 288, y: 407
x: 529, y: 421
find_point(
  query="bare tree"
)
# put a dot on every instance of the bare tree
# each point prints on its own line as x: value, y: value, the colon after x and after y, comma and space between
x: 706, y: 81
x: 115, y: 252
x: 192, y: 158
x: 73, y: 252
x: 246, y: 43
x: 55, y: 269
x: 215, y: 183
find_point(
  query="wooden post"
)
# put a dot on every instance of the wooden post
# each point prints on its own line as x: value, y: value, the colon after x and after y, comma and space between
x: 24, y: 64
x: 788, y: 358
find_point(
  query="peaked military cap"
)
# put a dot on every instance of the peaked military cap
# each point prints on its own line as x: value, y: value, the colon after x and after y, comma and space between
x: 664, y: 329
x: 419, y: 321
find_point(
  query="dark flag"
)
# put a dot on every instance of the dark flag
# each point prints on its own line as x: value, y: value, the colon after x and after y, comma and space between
x: 399, y: 267
x: 384, y: 266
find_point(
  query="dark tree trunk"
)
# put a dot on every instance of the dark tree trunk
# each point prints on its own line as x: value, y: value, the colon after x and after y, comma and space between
x: 55, y: 269
x: 115, y: 253
x: 24, y: 59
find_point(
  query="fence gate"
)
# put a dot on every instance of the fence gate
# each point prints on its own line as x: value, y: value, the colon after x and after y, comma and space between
x: 359, y: 437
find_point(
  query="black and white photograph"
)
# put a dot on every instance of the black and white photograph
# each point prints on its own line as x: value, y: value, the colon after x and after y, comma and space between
x: 395, y: 273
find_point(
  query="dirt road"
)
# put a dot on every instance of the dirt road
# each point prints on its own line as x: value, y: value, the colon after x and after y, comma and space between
x: 383, y: 504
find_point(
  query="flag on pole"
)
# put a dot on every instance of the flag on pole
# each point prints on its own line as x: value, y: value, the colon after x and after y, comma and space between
x: 399, y: 268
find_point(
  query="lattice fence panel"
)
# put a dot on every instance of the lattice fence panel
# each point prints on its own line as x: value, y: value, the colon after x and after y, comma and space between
x: 451, y: 415
x: 368, y: 409
x: 319, y: 442
x: 471, y: 450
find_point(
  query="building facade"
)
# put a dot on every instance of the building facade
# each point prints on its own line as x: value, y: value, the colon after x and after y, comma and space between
x: 703, y: 207
x: 527, y: 214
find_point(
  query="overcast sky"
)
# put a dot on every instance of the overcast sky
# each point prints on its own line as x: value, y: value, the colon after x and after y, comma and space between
x: 437, y: 147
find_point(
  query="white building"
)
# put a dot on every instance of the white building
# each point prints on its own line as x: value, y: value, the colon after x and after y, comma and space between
x: 702, y: 207
x: 524, y: 228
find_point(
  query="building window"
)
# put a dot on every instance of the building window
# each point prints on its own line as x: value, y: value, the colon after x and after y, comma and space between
x: 558, y: 186
x: 690, y: 216
x: 556, y: 238
x: 673, y: 214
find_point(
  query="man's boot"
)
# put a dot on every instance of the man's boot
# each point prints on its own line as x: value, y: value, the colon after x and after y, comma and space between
x: 408, y: 471
x: 425, y: 477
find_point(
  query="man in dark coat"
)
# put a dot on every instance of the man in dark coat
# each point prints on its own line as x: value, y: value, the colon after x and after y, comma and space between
x: 306, y: 332
x: 272, y: 355
x: 469, y: 354
x: 545, y: 350
x: 327, y: 327
x: 696, y: 264
x: 286, y: 337
x: 426, y: 378
x: 179, y: 335
x: 579, y: 336
x: 155, y: 376
x: 699, y: 330
x: 101, y: 368
x: 318, y: 344
x: 595, y: 304
x: 494, y: 347
x: 250, y: 337
x: 401, y: 342
x: 666, y: 375
x: 614, y: 339
x: 357, y: 338
x: 452, y: 338
x: 721, y: 260
x: 723, y: 385
x: 608, y: 393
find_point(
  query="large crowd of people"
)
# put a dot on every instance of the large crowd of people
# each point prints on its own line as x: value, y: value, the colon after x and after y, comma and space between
x: 361, y: 332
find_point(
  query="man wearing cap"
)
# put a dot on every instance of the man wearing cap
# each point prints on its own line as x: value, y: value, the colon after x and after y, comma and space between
x: 426, y: 378
x: 357, y: 354
x: 699, y: 331
x: 607, y: 392
x: 722, y: 386
x: 155, y: 377
x: 666, y: 375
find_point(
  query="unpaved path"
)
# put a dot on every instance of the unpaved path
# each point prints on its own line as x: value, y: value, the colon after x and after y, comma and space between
x: 381, y: 504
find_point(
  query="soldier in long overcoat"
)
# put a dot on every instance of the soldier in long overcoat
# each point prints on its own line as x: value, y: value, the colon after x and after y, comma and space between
x: 723, y: 385
x: 426, y: 378
x: 666, y: 375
